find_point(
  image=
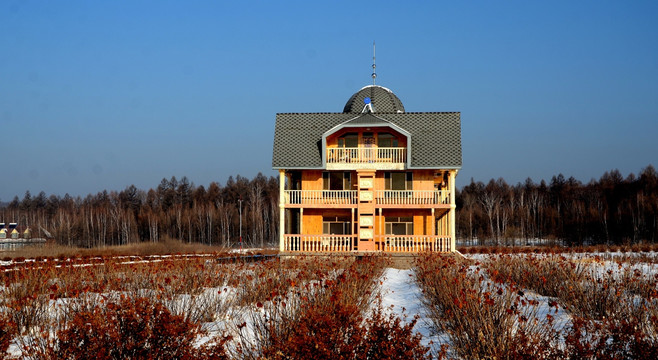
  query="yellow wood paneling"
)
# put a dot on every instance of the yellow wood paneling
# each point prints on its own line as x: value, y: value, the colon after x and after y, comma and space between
x: 312, y: 180
x: 423, y: 179
x: 312, y: 222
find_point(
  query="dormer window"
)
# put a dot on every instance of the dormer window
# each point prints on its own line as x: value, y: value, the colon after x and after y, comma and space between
x: 387, y: 140
x: 349, y: 140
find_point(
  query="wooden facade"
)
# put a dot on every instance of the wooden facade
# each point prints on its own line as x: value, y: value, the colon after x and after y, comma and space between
x: 370, y: 210
x: 366, y: 194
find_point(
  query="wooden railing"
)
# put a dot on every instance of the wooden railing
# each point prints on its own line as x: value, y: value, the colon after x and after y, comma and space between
x: 345, y: 243
x: 320, y: 197
x: 412, y: 197
x: 318, y: 243
x: 360, y: 155
x: 416, y: 243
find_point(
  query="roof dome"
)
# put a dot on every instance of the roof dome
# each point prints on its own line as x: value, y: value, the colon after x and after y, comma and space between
x: 383, y: 100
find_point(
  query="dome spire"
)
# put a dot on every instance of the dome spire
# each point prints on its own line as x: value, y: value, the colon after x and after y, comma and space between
x: 374, y: 67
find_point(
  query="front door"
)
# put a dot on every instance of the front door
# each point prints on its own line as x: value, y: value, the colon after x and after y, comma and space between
x: 369, y: 145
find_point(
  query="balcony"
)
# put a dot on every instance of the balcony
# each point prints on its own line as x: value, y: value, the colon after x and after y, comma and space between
x: 384, y: 158
x: 388, y: 243
x: 412, y: 197
x: 416, y: 243
x: 318, y: 243
x: 383, y: 198
x: 326, y: 198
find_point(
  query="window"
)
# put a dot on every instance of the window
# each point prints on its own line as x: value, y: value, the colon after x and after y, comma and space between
x: 398, y: 181
x: 336, y: 180
x: 399, y: 225
x: 336, y: 225
x: 386, y: 140
x: 350, y: 140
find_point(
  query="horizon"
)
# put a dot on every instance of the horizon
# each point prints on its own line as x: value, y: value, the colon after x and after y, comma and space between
x: 101, y: 96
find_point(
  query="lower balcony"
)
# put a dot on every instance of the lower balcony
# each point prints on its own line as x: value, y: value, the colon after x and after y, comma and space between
x: 318, y: 243
x: 416, y: 243
x: 386, y: 243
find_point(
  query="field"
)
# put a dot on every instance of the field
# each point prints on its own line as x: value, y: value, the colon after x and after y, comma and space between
x: 486, y: 305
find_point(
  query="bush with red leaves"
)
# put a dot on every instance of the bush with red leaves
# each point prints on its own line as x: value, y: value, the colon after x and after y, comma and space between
x: 128, y: 329
x: 7, y: 332
x: 342, y: 334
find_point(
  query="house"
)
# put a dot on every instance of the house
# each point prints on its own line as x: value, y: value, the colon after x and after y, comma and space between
x: 372, y: 178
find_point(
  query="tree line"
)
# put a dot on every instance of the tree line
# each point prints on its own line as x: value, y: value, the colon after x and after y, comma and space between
x: 610, y: 210
x: 175, y: 209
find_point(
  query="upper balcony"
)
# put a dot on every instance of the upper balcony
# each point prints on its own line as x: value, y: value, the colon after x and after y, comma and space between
x: 355, y: 158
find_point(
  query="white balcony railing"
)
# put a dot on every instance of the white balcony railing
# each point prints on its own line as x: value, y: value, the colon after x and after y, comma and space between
x: 318, y: 243
x: 416, y: 243
x: 345, y: 243
x: 360, y: 155
x: 412, y: 197
x: 321, y: 197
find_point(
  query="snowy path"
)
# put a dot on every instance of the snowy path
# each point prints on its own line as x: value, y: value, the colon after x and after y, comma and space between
x: 402, y: 296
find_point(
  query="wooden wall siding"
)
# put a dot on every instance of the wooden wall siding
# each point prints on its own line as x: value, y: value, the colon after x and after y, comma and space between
x: 423, y: 180
x: 312, y: 180
x: 312, y: 223
x: 312, y: 219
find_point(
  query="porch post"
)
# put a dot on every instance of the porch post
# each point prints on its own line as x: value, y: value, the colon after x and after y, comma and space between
x: 453, y: 208
x: 282, y: 209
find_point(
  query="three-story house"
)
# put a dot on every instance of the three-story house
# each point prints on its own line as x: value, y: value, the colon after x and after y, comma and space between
x: 371, y: 178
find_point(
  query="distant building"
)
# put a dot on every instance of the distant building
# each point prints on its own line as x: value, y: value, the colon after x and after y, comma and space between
x: 371, y: 178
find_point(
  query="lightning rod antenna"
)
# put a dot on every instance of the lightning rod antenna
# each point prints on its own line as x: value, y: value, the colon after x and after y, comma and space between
x: 374, y: 67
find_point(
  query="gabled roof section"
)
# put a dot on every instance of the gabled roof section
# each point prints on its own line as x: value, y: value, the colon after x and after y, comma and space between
x: 435, y: 137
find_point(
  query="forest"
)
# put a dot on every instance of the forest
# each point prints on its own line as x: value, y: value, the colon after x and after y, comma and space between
x: 610, y: 210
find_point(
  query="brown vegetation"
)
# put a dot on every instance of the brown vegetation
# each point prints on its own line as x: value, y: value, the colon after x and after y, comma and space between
x: 130, y: 305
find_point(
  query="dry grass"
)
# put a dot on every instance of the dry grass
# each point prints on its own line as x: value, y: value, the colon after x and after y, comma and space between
x: 140, y: 249
x: 487, y: 249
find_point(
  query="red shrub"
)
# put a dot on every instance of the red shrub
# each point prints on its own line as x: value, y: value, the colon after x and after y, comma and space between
x: 129, y: 329
x: 7, y: 332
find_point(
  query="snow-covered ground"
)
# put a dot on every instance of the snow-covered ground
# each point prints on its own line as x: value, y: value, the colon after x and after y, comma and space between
x: 402, y: 296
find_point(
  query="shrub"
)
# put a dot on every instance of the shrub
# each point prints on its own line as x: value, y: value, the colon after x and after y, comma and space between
x: 7, y: 332
x: 127, y: 329
x: 482, y: 320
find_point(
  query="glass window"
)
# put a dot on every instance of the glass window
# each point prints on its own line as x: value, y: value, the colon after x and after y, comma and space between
x: 336, y: 225
x: 398, y: 181
x: 350, y: 140
x: 386, y: 140
x: 399, y: 225
x: 336, y: 180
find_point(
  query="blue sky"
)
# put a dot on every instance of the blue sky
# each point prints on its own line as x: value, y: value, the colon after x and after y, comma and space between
x: 99, y: 95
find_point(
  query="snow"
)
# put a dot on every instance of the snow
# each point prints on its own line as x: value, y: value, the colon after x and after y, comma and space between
x: 402, y: 296
x: 399, y: 293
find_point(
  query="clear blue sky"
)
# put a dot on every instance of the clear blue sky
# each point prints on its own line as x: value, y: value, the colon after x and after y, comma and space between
x: 100, y: 95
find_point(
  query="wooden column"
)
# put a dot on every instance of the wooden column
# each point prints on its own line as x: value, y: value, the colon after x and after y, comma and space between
x: 433, y: 224
x: 453, y: 207
x: 282, y: 209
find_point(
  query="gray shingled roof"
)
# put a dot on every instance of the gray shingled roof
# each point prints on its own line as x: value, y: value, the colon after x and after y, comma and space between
x: 435, y: 137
